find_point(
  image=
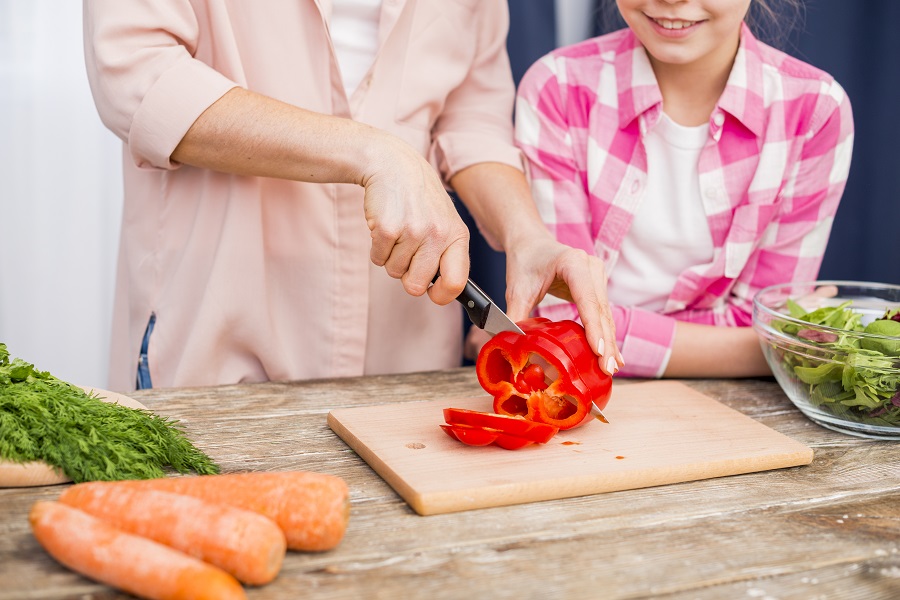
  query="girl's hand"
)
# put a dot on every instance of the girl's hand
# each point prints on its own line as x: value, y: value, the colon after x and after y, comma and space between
x: 543, y: 265
x: 813, y: 300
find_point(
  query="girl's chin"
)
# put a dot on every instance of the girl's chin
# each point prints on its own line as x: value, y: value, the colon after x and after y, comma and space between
x: 670, y: 56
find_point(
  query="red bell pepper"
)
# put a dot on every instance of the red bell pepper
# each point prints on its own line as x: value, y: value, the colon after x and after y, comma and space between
x: 549, y: 375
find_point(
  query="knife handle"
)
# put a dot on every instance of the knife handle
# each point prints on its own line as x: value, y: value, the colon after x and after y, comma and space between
x: 476, y: 303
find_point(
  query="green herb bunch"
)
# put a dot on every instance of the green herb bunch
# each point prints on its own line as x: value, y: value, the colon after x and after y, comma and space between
x: 848, y: 375
x: 47, y: 419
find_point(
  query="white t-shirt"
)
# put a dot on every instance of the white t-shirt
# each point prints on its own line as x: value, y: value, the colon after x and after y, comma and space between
x: 353, y: 25
x: 670, y: 232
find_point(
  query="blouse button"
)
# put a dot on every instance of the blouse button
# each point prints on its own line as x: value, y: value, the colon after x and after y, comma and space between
x: 635, y: 186
x: 719, y: 119
x: 711, y: 193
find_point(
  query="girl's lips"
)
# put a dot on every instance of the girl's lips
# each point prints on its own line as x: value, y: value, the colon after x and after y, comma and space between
x: 673, y: 28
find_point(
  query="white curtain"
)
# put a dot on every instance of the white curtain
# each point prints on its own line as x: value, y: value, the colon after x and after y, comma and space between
x: 60, y: 196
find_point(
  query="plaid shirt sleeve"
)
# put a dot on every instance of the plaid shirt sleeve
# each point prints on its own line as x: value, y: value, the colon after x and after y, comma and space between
x: 645, y: 338
x: 551, y: 141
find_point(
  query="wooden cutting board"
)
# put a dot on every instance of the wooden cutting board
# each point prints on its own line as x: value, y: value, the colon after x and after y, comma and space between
x: 660, y: 432
x: 13, y: 474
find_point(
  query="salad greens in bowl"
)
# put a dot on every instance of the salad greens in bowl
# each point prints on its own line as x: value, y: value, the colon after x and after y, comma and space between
x: 834, y: 347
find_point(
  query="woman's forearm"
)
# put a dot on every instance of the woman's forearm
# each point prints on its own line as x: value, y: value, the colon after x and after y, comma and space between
x: 415, y: 228
x: 250, y: 134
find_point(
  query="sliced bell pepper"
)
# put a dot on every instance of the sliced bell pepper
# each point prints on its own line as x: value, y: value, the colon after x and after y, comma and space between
x: 549, y: 375
x: 518, y: 426
x: 484, y: 436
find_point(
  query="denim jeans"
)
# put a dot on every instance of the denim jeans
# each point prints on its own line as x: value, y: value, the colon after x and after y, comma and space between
x: 143, y: 370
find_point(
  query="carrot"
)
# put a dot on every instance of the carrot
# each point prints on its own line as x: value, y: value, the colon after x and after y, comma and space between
x: 131, y: 563
x: 311, y: 508
x: 243, y: 543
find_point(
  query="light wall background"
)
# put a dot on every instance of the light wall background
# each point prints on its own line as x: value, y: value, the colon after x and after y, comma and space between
x: 60, y: 196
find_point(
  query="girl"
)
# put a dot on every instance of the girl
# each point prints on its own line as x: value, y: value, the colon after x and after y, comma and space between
x: 698, y: 163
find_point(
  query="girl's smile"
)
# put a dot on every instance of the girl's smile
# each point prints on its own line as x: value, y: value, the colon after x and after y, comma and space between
x: 687, y: 33
x: 674, y: 28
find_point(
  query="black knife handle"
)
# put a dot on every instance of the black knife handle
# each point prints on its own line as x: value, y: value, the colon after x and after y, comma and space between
x: 475, y: 301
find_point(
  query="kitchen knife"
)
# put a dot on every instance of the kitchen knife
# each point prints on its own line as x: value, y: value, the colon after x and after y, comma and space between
x: 485, y: 314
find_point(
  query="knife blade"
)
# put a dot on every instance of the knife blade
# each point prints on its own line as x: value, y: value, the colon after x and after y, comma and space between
x: 597, y: 414
x: 485, y: 314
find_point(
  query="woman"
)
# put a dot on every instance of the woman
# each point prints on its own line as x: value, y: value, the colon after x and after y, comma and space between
x: 286, y: 162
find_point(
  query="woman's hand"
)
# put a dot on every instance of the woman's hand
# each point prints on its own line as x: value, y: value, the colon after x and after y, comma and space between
x: 416, y: 230
x: 544, y: 266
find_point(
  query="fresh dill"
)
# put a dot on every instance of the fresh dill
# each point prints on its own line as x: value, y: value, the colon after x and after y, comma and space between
x: 43, y: 418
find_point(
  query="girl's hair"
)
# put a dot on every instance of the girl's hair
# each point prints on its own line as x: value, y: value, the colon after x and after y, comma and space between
x: 772, y: 21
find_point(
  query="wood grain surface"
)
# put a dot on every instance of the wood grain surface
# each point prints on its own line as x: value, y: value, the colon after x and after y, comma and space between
x: 828, y: 530
x: 660, y: 432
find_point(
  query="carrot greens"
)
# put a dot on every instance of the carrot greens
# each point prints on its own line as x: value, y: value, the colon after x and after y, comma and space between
x: 46, y: 419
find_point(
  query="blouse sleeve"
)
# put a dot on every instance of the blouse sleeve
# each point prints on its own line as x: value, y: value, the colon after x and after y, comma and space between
x: 475, y: 124
x: 147, y: 86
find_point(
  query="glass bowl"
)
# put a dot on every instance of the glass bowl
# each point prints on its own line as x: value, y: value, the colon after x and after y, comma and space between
x: 814, y: 339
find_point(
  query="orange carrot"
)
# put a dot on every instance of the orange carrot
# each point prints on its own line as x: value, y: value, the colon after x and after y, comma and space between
x: 131, y: 563
x: 311, y: 508
x: 243, y: 543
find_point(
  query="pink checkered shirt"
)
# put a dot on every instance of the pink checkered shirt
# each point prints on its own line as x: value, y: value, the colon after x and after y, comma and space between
x: 771, y: 175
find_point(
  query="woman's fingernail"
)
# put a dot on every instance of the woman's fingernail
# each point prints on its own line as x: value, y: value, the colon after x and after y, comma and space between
x: 611, y: 367
x: 601, y: 347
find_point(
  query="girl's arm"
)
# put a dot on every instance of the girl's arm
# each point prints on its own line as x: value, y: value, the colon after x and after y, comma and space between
x: 715, y: 351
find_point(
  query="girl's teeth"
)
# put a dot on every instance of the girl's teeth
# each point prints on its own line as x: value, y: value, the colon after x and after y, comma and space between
x: 667, y: 24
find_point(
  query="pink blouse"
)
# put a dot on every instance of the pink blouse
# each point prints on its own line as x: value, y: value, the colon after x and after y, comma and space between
x: 257, y: 279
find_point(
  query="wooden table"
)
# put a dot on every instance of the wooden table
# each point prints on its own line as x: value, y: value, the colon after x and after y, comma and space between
x: 827, y: 530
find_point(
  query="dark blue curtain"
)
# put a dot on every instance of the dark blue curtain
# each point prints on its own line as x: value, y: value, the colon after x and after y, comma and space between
x: 857, y: 43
